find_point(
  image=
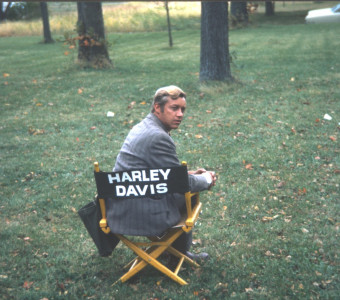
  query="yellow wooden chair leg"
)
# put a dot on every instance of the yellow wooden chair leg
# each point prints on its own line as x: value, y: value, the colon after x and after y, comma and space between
x: 175, y: 252
x: 149, y: 259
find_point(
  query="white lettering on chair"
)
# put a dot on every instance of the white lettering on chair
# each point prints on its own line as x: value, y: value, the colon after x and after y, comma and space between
x: 162, y: 188
x: 165, y: 174
x: 111, y: 178
x: 152, y: 175
x: 137, y: 190
x: 136, y: 176
x: 120, y: 190
x: 126, y: 177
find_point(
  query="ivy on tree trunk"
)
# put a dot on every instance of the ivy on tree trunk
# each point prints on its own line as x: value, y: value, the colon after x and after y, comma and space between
x: 92, y: 50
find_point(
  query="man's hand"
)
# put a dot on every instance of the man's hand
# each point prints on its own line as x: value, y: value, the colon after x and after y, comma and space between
x: 211, y: 180
x: 213, y: 177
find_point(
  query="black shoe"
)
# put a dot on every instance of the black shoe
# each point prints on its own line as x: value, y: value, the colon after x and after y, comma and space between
x: 197, y: 257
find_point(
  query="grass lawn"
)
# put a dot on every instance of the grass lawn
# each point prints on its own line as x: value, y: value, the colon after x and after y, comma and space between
x: 271, y: 224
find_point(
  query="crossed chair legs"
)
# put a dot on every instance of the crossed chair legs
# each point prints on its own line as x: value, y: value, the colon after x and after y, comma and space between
x: 155, y: 248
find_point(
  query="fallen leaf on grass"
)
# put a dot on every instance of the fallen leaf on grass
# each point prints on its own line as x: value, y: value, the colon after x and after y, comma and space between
x: 302, y: 191
x: 280, y: 184
x: 6, y: 75
x: 33, y: 131
x: 198, y: 136
x: 333, y: 138
x: 249, y: 166
x: 27, y: 285
x: 268, y: 253
x: 197, y: 241
x: 267, y: 219
x: 131, y: 105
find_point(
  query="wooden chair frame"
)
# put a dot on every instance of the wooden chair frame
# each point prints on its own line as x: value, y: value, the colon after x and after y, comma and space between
x: 148, y: 252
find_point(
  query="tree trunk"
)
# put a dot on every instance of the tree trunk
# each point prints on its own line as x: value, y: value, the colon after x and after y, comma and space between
x: 46, y: 24
x: 239, y: 13
x: 4, y: 10
x: 215, y: 63
x: 92, y: 50
x: 169, y: 24
x: 269, y: 8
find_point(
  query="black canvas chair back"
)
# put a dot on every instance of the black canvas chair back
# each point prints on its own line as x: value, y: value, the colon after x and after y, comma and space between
x: 142, y: 183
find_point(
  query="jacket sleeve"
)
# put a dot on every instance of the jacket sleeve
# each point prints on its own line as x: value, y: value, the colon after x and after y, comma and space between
x: 163, y: 153
x: 198, y: 183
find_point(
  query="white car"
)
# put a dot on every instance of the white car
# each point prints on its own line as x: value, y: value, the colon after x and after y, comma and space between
x: 325, y: 15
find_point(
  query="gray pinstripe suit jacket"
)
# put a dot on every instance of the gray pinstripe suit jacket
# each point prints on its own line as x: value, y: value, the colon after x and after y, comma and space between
x: 148, y: 145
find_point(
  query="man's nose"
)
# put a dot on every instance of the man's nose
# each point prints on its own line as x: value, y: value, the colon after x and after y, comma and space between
x: 180, y: 113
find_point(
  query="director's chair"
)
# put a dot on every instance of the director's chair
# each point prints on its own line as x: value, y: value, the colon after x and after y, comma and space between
x: 150, y: 250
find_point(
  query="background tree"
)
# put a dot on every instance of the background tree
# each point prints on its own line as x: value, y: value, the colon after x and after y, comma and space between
x: 46, y: 23
x: 214, y: 61
x: 4, y: 8
x: 92, y: 50
x: 239, y: 13
x: 269, y: 8
x: 168, y: 21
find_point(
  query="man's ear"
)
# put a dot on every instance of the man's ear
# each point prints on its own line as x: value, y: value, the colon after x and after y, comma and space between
x: 157, y: 108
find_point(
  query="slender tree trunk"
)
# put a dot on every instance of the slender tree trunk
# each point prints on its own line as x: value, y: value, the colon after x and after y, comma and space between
x: 239, y: 13
x: 169, y: 24
x: 269, y: 8
x: 92, y: 51
x: 214, y: 62
x: 46, y: 24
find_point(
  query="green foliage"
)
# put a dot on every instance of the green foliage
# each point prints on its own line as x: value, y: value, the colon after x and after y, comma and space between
x: 271, y: 223
x: 24, y: 11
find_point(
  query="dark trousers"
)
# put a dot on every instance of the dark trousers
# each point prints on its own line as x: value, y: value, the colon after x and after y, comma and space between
x: 183, y: 243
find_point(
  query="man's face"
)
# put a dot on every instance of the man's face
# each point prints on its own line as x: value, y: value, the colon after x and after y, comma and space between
x: 172, y: 114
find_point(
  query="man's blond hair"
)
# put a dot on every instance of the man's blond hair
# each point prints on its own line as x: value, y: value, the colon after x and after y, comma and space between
x: 163, y: 94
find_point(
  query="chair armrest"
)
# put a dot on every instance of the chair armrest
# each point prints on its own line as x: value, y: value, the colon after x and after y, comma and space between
x: 103, y: 221
x: 190, y: 221
x: 192, y: 212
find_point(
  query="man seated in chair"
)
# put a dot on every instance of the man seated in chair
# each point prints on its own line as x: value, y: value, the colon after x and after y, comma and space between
x: 149, y: 145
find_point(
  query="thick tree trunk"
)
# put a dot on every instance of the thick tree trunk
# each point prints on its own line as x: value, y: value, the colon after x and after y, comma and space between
x: 92, y: 51
x: 4, y: 7
x: 215, y: 63
x: 239, y: 13
x: 46, y: 24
